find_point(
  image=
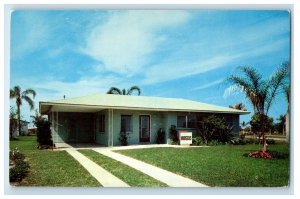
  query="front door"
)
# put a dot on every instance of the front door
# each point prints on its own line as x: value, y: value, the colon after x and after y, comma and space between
x: 144, y: 128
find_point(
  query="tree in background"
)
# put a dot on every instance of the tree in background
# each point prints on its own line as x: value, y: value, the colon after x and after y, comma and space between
x: 13, y: 124
x: 239, y: 106
x: 287, y: 92
x: 117, y: 91
x: 16, y: 93
x: 261, y: 92
x: 281, y: 125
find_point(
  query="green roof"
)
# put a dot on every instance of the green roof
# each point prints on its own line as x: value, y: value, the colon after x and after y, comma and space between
x: 103, y: 101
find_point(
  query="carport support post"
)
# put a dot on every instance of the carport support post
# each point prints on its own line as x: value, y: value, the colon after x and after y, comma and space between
x: 110, y: 128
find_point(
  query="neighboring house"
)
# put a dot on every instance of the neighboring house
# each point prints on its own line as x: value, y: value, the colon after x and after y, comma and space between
x: 99, y: 118
x: 32, y: 130
x: 24, y: 128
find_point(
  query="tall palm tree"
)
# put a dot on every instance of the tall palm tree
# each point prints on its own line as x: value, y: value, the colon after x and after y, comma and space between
x: 260, y: 92
x: 117, y: 91
x: 239, y: 106
x: 287, y: 92
x: 16, y: 93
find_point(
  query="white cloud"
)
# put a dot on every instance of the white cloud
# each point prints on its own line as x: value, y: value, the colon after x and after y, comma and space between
x: 174, y: 68
x: 125, y: 41
x: 209, y: 84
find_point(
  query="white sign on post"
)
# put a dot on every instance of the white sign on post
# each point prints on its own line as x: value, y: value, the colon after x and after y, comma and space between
x: 185, y: 138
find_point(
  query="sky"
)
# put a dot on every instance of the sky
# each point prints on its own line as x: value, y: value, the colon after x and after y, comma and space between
x: 167, y: 53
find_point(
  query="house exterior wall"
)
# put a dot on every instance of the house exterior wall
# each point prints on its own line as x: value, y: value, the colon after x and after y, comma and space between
x: 82, y: 127
x: 102, y: 136
x: 156, y: 122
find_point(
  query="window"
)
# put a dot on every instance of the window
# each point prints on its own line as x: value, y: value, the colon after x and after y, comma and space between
x: 187, y: 121
x: 126, y: 123
x: 181, y: 121
x: 101, y: 123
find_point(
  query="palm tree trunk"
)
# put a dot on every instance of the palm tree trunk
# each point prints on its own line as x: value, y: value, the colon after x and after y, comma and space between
x: 264, y: 143
x: 19, y: 119
x: 287, y: 125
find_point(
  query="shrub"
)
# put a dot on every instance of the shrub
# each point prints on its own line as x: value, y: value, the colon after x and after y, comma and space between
x: 174, y: 134
x: 43, y: 131
x: 123, y: 138
x: 16, y: 155
x: 160, y: 136
x: 19, y: 171
x: 198, y: 141
x: 215, y: 128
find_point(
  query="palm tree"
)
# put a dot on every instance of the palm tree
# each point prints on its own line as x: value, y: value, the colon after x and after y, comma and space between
x: 117, y: 91
x: 244, y: 125
x: 282, y: 123
x: 12, y: 122
x: 239, y: 106
x: 17, y: 94
x: 261, y: 92
x: 287, y: 92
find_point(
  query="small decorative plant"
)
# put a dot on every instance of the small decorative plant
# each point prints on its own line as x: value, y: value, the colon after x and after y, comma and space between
x: 174, y: 134
x: 123, y: 138
x: 160, y: 136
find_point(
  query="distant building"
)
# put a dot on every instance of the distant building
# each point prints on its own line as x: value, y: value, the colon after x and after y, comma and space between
x: 24, y: 128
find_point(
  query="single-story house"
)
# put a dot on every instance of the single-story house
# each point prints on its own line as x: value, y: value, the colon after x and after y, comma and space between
x: 100, y: 118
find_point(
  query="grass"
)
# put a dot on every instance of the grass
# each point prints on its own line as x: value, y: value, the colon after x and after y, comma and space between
x: 129, y: 175
x: 222, y: 166
x: 51, y: 168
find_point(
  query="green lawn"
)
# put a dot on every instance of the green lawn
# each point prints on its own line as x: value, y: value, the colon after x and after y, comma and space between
x: 129, y: 175
x: 51, y: 168
x: 222, y: 166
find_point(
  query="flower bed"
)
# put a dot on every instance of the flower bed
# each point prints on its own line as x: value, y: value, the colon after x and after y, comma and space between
x: 260, y: 154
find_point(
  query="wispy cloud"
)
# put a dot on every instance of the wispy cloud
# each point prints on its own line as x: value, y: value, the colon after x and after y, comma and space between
x: 33, y: 33
x: 216, y: 82
x: 124, y: 42
x: 175, y: 69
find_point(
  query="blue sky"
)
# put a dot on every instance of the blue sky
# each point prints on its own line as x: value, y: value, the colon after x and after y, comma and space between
x: 179, y: 53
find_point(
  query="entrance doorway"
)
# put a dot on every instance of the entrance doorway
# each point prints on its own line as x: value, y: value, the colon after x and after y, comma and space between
x: 144, y: 128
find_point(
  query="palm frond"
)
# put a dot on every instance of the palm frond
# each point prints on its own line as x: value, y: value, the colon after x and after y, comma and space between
x: 29, y: 101
x: 134, y: 88
x: 253, y: 76
x: 274, y: 85
x: 115, y: 91
x: 29, y: 91
x: 15, y: 92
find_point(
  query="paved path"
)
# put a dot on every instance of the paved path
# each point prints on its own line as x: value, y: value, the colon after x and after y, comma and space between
x: 104, y: 177
x: 171, y: 179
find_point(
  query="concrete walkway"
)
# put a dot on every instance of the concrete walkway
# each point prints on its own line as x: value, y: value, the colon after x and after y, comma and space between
x: 171, y: 179
x: 105, y: 178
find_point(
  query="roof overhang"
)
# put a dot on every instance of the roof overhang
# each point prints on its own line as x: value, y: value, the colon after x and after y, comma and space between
x: 47, y: 107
